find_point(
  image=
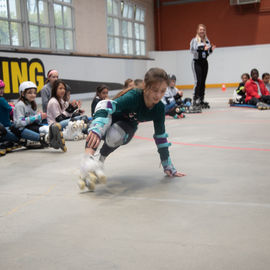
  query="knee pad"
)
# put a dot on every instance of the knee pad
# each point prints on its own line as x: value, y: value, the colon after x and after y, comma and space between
x: 115, y: 136
x: 119, y: 133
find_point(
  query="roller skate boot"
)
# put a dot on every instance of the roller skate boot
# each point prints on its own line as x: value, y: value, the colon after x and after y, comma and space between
x: 180, y: 109
x: 262, y: 106
x: 55, y: 137
x: 9, y: 146
x: 3, y: 150
x: 205, y: 105
x: 195, y: 107
x: 73, y: 131
x: 178, y: 112
x: 91, y: 173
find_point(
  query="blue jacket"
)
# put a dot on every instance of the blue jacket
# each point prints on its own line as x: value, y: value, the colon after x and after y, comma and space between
x: 5, y: 110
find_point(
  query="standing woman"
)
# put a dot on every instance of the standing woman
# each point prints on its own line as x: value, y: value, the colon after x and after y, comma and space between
x: 200, y: 47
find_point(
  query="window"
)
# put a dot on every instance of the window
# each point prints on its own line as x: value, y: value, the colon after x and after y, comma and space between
x: 38, y: 24
x: 125, y: 28
x: 63, y: 25
x: 10, y: 23
x: 43, y: 24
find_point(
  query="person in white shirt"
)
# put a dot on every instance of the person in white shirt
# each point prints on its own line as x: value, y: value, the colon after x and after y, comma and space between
x: 173, y: 99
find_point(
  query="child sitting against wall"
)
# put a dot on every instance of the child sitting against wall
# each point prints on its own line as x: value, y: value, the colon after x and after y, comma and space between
x: 46, y: 91
x: 256, y: 92
x: 8, y: 141
x: 128, y: 84
x: 27, y: 121
x: 60, y: 111
x: 138, y: 84
x: 173, y: 99
x: 239, y: 95
x: 266, y: 78
x: 101, y: 94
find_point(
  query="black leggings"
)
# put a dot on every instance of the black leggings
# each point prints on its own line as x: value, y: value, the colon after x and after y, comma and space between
x: 264, y: 99
x: 200, y: 70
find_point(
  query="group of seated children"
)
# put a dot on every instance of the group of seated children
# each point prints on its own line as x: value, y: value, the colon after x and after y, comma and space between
x: 25, y: 124
x: 252, y: 90
x: 102, y: 91
x: 175, y: 106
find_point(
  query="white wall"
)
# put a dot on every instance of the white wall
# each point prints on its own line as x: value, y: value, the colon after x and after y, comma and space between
x: 89, y: 68
x: 225, y: 64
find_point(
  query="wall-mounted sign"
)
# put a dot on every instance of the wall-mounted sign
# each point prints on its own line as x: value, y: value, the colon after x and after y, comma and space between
x: 14, y: 71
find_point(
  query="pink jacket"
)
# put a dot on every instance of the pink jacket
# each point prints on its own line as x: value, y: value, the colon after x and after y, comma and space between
x: 54, y: 110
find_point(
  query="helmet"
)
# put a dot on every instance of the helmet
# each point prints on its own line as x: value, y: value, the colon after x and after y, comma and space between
x: 26, y: 85
x: 172, y: 77
x: 2, y: 84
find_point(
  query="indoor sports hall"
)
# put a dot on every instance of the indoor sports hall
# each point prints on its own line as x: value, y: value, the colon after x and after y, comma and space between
x: 217, y: 216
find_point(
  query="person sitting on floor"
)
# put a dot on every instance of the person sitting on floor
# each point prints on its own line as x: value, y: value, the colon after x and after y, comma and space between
x: 139, y: 84
x: 266, y: 78
x: 256, y: 92
x: 173, y: 99
x: 239, y: 95
x: 101, y: 94
x: 46, y: 91
x: 59, y: 110
x: 128, y: 84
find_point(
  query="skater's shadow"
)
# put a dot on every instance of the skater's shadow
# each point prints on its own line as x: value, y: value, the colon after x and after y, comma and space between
x: 125, y: 185
x: 128, y: 185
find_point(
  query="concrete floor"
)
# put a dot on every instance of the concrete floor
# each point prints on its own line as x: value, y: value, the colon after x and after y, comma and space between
x: 216, y: 217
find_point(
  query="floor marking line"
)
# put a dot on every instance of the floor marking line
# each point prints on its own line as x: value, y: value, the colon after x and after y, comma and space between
x: 12, y: 211
x: 209, y: 146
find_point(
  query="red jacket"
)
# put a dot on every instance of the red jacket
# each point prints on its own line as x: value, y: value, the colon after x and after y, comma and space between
x: 252, y: 89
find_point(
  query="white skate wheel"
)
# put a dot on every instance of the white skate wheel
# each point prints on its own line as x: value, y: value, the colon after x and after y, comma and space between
x: 101, y: 176
x: 81, y: 184
x: 93, y: 177
x: 102, y: 179
x: 90, y: 185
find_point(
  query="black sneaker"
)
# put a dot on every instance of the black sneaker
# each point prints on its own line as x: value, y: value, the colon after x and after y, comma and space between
x: 205, y: 105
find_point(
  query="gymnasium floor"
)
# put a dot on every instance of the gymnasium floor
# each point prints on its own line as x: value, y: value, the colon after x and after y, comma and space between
x: 216, y: 217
